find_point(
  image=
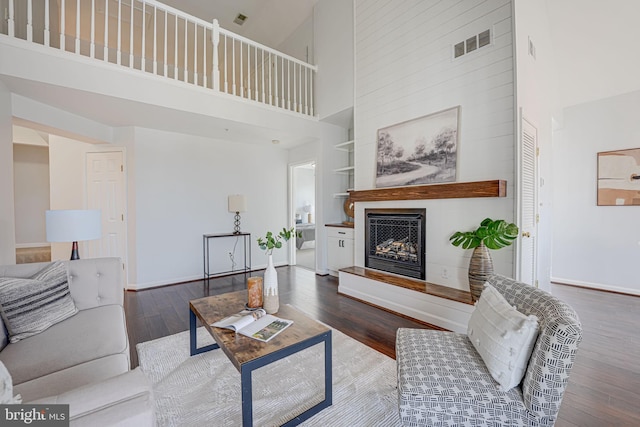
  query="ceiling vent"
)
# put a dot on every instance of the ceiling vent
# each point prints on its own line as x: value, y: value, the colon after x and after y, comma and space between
x: 240, y: 19
x: 472, y: 43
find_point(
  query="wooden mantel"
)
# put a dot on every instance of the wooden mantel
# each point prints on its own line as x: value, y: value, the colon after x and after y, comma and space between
x: 454, y: 190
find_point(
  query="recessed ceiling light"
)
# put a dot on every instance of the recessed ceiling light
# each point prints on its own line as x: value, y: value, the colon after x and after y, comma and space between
x: 275, y: 141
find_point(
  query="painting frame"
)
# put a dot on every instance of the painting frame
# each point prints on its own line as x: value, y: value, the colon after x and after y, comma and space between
x: 618, y: 177
x: 419, y: 151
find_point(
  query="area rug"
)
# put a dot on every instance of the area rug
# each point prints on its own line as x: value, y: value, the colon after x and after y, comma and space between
x: 205, y: 389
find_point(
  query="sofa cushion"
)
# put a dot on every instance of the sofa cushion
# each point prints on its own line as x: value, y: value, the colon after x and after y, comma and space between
x: 442, y: 380
x: 503, y: 337
x: 90, y: 334
x: 31, y: 305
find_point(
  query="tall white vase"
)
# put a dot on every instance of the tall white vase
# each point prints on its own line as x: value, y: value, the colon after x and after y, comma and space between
x: 271, y: 302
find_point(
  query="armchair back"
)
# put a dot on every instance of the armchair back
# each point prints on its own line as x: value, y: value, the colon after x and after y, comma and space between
x: 554, y: 352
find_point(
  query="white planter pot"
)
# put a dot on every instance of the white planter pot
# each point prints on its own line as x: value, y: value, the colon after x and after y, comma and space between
x: 271, y: 301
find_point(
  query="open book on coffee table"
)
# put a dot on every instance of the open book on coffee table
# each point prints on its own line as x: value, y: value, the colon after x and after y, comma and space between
x: 255, y: 324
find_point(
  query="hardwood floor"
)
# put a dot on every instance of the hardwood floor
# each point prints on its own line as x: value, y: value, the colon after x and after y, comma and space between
x: 604, y: 386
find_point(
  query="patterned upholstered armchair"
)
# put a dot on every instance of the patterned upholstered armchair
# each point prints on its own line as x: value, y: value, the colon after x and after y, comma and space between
x: 443, y: 381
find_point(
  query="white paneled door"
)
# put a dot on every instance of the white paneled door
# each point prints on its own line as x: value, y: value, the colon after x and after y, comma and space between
x: 106, y: 191
x: 528, y: 203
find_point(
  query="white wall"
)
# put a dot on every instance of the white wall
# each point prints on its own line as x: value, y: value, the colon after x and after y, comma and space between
x: 594, y: 246
x: 181, y: 185
x: 304, y: 191
x: 537, y: 98
x: 31, y: 187
x: 68, y: 184
x: 405, y: 70
x: 333, y: 21
x: 7, y: 224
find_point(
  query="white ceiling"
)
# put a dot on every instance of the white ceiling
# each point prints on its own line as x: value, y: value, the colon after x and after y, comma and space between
x: 268, y: 22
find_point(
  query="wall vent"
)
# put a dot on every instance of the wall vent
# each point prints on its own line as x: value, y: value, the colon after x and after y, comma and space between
x: 472, y: 43
x: 240, y: 19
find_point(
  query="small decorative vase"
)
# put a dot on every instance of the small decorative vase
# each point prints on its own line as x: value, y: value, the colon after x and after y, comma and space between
x: 271, y: 301
x: 480, y: 268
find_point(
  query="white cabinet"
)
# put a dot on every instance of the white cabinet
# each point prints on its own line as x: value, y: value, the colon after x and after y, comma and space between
x: 339, y: 248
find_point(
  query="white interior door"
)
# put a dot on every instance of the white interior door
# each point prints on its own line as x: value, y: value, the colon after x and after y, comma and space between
x: 106, y: 191
x: 528, y: 203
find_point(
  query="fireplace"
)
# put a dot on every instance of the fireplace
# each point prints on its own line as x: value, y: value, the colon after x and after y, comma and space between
x: 394, y: 241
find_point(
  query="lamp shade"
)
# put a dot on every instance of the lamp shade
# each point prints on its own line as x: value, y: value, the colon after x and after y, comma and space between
x: 237, y: 203
x: 73, y: 225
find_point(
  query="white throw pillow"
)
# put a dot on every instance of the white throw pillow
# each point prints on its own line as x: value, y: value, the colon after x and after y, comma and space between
x: 6, y: 387
x: 503, y: 336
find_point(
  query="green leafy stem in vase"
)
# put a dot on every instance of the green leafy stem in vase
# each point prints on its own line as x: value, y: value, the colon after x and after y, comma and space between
x: 274, y: 241
x: 495, y: 234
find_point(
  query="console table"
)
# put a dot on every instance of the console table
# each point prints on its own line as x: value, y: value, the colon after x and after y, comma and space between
x: 246, y: 261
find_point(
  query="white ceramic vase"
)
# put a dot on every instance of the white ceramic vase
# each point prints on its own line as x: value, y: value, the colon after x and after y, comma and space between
x: 271, y: 301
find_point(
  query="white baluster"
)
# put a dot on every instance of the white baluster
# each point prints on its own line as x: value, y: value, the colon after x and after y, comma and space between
x: 306, y: 94
x: 143, y: 53
x: 215, y: 72
x: 155, y: 39
x: 106, y: 30
x: 166, y: 42
x: 226, y: 64
x: 255, y: 74
x: 241, y: 71
x: 77, y: 44
x: 270, y: 82
x: 131, y: 35
x: 92, y: 47
x: 275, y: 70
x: 311, y: 97
x: 233, y: 63
x: 195, y: 53
x: 119, y: 44
x: 11, y: 20
x: 204, y: 58
x: 262, y: 73
x: 186, y: 27
x: 288, y: 84
x: 62, y: 22
x: 29, y: 21
x: 47, y: 33
x: 175, y: 51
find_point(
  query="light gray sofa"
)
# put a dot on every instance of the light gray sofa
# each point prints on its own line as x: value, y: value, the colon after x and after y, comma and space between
x: 442, y: 379
x: 83, y: 360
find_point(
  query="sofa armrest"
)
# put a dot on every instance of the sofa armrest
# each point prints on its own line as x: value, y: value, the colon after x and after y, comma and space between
x: 123, y: 400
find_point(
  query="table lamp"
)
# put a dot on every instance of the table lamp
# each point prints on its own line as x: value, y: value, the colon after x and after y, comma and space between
x: 72, y: 226
x: 237, y: 204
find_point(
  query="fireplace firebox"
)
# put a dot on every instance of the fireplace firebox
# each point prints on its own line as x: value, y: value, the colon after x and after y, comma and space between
x: 395, y: 241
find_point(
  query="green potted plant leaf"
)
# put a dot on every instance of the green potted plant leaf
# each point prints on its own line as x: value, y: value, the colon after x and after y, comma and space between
x: 268, y: 243
x: 491, y: 234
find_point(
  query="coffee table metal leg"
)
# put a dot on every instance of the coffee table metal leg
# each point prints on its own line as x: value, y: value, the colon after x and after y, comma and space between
x: 247, y: 398
x: 193, y: 343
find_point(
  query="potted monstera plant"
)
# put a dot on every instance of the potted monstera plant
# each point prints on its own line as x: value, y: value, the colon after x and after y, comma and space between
x: 491, y: 234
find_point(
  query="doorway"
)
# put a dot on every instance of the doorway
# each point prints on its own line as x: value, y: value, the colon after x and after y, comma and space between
x: 303, y: 177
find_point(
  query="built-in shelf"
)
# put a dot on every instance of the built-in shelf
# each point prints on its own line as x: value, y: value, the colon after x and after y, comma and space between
x: 453, y: 190
x: 347, y: 169
x: 344, y: 146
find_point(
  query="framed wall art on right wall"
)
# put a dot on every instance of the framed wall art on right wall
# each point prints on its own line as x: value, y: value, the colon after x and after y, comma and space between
x: 619, y: 178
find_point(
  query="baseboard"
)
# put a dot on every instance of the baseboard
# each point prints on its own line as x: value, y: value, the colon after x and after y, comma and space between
x: 596, y: 286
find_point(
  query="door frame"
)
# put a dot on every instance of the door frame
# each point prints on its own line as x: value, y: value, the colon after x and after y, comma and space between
x: 291, y: 208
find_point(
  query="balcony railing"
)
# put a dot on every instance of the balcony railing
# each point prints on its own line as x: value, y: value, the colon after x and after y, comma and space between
x: 155, y: 38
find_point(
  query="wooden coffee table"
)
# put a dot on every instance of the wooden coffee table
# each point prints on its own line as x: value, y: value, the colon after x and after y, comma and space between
x: 248, y: 354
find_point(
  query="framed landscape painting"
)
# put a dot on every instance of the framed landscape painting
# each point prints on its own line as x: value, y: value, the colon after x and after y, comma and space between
x: 419, y: 151
x: 619, y: 178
